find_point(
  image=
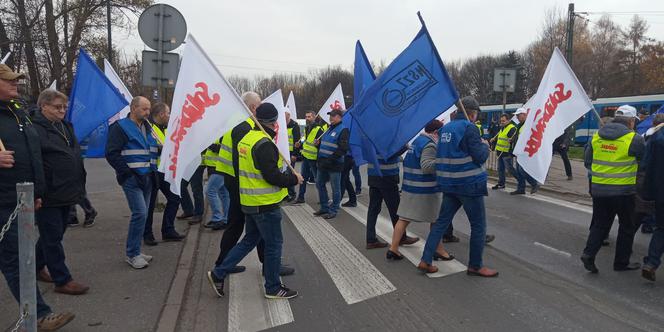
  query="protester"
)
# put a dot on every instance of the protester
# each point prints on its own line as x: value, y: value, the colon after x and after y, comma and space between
x: 612, y: 158
x: 160, y: 114
x: 88, y: 209
x: 561, y: 146
x: 504, y: 148
x: 332, y: 147
x: 229, y: 165
x: 218, y: 196
x: 262, y: 187
x: 521, y: 115
x: 20, y: 161
x: 65, y: 186
x: 358, y: 179
x: 346, y: 184
x: 294, y: 137
x: 645, y: 209
x: 420, y: 190
x: 654, y: 191
x: 193, y: 211
x: 309, y: 151
x: 462, y: 179
x: 132, y: 152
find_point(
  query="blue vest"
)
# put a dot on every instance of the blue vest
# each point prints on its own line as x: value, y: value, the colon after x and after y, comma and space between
x: 414, y: 179
x: 140, y: 153
x: 389, y: 167
x: 455, y: 167
x: 328, y: 144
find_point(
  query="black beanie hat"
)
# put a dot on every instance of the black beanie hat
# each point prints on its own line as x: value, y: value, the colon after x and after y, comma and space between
x: 267, y: 113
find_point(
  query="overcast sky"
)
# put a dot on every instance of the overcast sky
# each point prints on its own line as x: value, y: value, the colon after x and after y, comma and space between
x: 260, y: 37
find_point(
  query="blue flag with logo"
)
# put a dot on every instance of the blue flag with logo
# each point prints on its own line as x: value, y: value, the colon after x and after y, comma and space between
x: 644, y: 125
x: 360, y: 147
x: 414, y: 89
x: 92, y: 102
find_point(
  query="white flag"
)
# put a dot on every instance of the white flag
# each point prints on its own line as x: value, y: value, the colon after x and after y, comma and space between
x: 335, y: 101
x: 205, y: 106
x: 117, y: 82
x: 281, y: 139
x: 290, y: 104
x: 53, y: 86
x: 560, y: 100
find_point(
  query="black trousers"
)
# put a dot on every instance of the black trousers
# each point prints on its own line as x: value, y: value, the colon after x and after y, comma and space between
x: 563, y: 154
x: 52, y: 223
x: 376, y: 197
x: 605, y: 210
x: 171, y: 209
x: 346, y: 184
x: 233, y: 232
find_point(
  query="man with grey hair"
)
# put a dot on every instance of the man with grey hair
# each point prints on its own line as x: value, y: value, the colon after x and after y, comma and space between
x: 612, y: 158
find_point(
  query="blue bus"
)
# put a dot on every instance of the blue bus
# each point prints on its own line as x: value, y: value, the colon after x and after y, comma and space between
x: 587, y: 125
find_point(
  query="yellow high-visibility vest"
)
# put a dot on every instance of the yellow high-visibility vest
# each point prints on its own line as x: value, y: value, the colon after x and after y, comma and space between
x: 309, y: 149
x: 291, y: 143
x: 503, y: 143
x: 254, y: 190
x: 224, y: 163
x: 210, y: 158
x: 612, y: 163
x: 160, y: 136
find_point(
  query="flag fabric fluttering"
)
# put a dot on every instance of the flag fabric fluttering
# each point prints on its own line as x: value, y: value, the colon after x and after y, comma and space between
x: 93, y: 99
x: 414, y: 89
x: 205, y: 106
x: 290, y: 104
x: 560, y: 100
x: 281, y: 139
x: 335, y: 101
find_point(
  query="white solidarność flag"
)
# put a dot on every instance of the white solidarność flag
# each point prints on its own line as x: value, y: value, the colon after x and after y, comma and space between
x: 290, y: 104
x: 560, y: 100
x: 117, y: 82
x: 336, y: 101
x: 281, y: 139
x: 204, y: 105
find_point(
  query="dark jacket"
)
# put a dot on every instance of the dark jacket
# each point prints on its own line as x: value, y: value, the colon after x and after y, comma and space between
x: 117, y: 139
x: 654, y: 178
x: 266, y: 155
x: 20, y: 136
x: 513, y: 134
x: 472, y: 144
x: 614, y: 130
x: 63, y: 165
x: 327, y: 163
x: 562, y: 142
x: 390, y: 181
x: 296, y: 130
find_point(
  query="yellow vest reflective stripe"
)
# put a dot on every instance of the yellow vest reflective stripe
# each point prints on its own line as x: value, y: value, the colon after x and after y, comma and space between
x: 210, y: 157
x: 309, y: 148
x: 291, y: 143
x: 503, y: 143
x: 479, y: 127
x: 224, y: 162
x: 612, y: 163
x: 254, y: 190
x: 160, y: 136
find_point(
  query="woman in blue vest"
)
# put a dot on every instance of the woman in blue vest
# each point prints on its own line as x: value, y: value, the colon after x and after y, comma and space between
x: 419, y: 190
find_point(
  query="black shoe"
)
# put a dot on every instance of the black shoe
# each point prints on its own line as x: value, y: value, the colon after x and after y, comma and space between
x: 628, y: 267
x: 391, y: 255
x: 218, y: 226
x: 73, y: 222
x: 439, y: 257
x: 647, y: 229
x: 450, y: 239
x: 215, y: 224
x: 358, y: 192
x: 606, y: 243
x: 570, y: 178
x: 498, y: 186
x: 319, y: 213
x: 195, y: 220
x: 534, y: 189
x: 150, y: 241
x: 589, y: 263
x: 175, y: 237
x: 236, y: 269
x: 90, y: 219
x: 518, y: 192
x: 329, y: 216
x: 281, y: 293
x: 489, y: 238
x: 185, y: 216
x: 349, y: 204
x: 298, y: 201
x: 216, y: 283
x: 648, y: 272
x: 289, y: 199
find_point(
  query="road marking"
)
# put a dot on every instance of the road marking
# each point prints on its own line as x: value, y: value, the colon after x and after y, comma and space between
x: 559, y: 202
x: 353, y: 274
x: 248, y: 309
x: 412, y: 252
x: 552, y: 249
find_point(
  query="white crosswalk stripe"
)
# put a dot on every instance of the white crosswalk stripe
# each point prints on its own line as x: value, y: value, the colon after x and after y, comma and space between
x: 356, y: 278
x: 412, y: 252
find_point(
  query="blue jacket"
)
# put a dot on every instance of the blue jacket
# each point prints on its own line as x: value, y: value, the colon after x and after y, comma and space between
x: 119, y: 140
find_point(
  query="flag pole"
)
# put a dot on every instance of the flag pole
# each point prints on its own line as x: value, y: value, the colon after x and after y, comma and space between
x: 2, y: 146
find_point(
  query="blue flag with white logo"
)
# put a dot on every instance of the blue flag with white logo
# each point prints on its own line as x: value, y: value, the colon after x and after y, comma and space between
x: 414, y: 89
x: 92, y: 102
x: 644, y: 125
x: 361, y: 148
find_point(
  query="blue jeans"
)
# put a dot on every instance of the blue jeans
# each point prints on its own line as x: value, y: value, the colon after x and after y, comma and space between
x: 358, y: 178
x: 266, y: 226
x: 9, y: 263
x: 52, y: 223
x: 309, y: 169
x: 334, y: 178
x: 138, y: 198
x: 656, y: 248
x: 506, y: 162
x: 523, y: 177
x: 196, y: 182
x: 474, y: 207
x: 218, y: 197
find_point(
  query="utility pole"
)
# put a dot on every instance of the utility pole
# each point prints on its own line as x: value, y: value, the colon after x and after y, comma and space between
x: 570, y: 33
x: 108, y: 27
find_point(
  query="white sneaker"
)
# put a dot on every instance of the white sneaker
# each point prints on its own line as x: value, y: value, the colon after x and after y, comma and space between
x: 147, y: 258
x: 137, y: 262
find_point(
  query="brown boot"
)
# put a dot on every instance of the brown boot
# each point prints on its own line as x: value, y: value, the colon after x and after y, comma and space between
x: 427, y: 268
x: 72, y: 288
x: 53, y: 321
x: 44, y: 276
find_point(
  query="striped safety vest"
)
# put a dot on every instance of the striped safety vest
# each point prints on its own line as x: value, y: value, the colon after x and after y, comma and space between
x: 612, y: 163
x: 159, y: 136
x: 291, y: 143
x: 328, y: 144
x: 415, y: 181
x: 210, y: 158
x: 254, y: 190
x: 140, y: 152
x: 503, y: 143
x: 389, y: 167
x: 309, y: 148
x: 453, y: 165
x: 225, y: 162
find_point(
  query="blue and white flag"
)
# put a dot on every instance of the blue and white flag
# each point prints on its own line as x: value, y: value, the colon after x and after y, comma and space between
x: 92, y: 102
x: 414, y: 89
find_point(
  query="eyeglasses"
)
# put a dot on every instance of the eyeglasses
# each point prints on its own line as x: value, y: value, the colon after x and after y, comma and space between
x: 59, y: 107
